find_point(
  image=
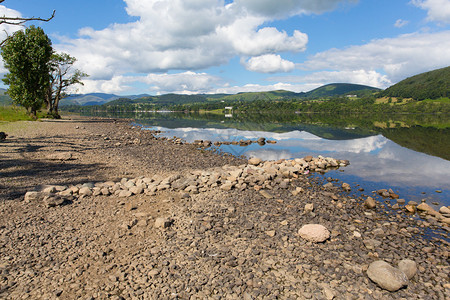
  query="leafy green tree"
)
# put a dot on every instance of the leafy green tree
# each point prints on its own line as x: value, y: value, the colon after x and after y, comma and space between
x: 26, y: 56
x: 62, y: 76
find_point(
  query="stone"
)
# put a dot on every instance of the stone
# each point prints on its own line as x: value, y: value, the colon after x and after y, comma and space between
x: 314, y: 233
x: 270, y: 233
x: 309, y: 207
x: 130, y: 205
x: 444, y: 210
x: 371, y: 244
x: 60, y: 156
x: 136, y: 190
x: 386, y: 276
x: 410, y: 208
x: 85, y: 191
x: 125, y: 193
x: 163, y: 222
x: 409, y: 267
x: 33, y: 196
x: 54, y: 200
x: 3, y: 135
x: 346, y: 187
x: 266, y: 194
x: 254, y: 161
x: 370, y: 203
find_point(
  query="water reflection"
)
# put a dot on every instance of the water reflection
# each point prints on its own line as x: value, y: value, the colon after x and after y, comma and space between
x: 375, y: 160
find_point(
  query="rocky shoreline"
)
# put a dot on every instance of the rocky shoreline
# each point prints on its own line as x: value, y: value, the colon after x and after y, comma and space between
x: 153, y: 219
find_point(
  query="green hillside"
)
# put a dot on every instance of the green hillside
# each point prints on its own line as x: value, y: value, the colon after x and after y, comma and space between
x: 270, y: 96
x: 430, y: 85
x: 340, y: 89
x: 4, y: 98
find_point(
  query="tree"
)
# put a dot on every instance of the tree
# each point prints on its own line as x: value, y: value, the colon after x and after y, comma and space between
x: 20, y: 21
x: 26, y: 56
x: 62, y: 76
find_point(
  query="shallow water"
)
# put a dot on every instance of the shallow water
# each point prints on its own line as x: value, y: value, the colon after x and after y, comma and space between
x: 410, y: 154
x: 375, y: 161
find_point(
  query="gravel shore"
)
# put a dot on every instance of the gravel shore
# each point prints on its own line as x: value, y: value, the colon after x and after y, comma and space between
x: 234, y: 242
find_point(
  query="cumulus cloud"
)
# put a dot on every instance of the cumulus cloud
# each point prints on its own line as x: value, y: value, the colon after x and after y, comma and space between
x: 401, y: 23
x: 182, y: 83
x: 180, y: 35
x: 286, y: 8
x: 268, y: 63
x: 5, y: 29
x: 397, y: 57
x: 370, y: 78
x: 438, y: 10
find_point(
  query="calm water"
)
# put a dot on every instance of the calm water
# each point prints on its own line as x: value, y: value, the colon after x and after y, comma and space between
x: 402, y: 154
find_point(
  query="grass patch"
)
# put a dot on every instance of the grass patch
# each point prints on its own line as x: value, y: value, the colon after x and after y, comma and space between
x: 14, y: 113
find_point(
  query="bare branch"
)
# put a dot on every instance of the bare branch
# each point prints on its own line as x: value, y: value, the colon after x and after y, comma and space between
x: 20, y: 21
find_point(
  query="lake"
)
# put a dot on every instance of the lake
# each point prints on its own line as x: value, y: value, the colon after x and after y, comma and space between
x: 410, y: 154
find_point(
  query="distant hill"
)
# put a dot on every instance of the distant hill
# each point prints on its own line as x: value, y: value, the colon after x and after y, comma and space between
x: 330, y: 90
x: 271, y: 95
x: 340, y: 89
x: 429, y: 85
x: 4, y: 98
x: 95, y: 99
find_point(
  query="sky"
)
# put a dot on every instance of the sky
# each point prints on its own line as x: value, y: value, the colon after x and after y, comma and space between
x: 131, y: 47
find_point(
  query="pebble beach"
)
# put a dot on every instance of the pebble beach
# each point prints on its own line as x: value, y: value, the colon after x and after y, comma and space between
x: 100, y: 209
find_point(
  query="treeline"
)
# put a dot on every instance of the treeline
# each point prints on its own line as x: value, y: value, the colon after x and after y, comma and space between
x: 429, y: 85
x: 332, y: 105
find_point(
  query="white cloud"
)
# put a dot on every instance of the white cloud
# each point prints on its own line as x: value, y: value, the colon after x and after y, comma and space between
x: 182, y: 83
x: 5, y: 29
x: 398, y: 58
x: 401, y: 23
x: 268, y: 63
x: 370, y: 78
x: 179, y: 35
x: 286, y: 8
x: 438, y: 10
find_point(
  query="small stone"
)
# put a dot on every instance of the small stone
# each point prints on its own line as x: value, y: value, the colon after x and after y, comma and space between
x: 309, y: 207
x: 85, y: 191
x: 254, y: 161
x: 125, y: 194
x: 163, y: 223
x: 314, y: 233
x: 386, y: 276
x: 129, y: 206
x: 370, y: 203
x: 266, y: 194
x: 33, y: 196
x: 444, y: 210
x: 410, y: 208
x: 346, y: 187
x: 270, y: 233
x: 60, y: 156
x: 409, y: 267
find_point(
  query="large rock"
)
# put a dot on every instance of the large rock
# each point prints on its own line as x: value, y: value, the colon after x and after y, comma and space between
x: 386, y: 276
x: 409, y: 267
x: 314, y: 233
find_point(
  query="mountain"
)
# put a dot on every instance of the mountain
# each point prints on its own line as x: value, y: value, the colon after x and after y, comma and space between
x: 340, y: 89
x: 429, y: 85
x: 330, y: 90
x: 4, y: 98
x: 95, y: 99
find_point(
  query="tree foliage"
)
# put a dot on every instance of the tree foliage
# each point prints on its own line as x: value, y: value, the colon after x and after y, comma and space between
x: 430, y: 85
x: 26, y: 55
x: 62, y: 76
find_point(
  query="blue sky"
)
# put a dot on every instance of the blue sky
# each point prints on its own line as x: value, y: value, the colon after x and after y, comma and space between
x: 209, y: 46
